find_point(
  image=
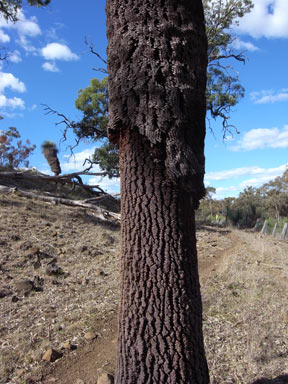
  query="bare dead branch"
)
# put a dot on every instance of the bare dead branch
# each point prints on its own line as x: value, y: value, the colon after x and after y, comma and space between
x: 90, y: 45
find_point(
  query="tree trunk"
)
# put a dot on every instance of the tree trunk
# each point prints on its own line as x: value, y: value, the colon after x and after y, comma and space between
x: 157, y: 58
x: 160, y: 326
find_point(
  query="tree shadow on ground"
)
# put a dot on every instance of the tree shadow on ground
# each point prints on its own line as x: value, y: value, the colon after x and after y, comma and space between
x: 277, y: 380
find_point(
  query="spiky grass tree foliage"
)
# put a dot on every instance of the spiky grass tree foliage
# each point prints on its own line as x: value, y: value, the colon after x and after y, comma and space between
x: 50, y: 152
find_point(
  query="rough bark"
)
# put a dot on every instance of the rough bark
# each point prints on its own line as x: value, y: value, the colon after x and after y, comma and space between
x: 160, y: 326
x: 157, y: 58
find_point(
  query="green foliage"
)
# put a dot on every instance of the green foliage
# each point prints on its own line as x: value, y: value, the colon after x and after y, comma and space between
x: 223, y: 90
x: 108, y: 159
x: 49, y: 145
x: 268, y: 202
x: 93, y: 102
x: 9, y: 8
x: 13, y: 153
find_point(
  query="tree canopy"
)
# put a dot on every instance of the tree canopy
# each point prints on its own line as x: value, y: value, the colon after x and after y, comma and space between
x: 9, y: 8
x: 223, y: 89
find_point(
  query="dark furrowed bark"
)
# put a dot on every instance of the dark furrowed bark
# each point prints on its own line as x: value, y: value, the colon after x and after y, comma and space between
x: 160, y: 326
x: 157, y: 58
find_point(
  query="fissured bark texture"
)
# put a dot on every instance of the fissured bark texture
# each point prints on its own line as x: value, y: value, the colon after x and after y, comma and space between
x: 160, y: 327
x: 157, y: 58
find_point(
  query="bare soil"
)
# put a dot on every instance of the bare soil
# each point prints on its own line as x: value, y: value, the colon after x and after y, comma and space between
x: 59, y: 282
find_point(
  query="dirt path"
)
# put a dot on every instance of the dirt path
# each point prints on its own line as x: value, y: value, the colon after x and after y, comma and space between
x: 215, y: 246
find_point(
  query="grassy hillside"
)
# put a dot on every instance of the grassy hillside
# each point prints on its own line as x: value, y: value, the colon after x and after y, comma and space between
x: 59, y: 282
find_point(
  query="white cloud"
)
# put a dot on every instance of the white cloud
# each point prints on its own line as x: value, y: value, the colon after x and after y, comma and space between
x: 26, y: 45
x: 12, y: 103
x: 15, y: 57
x: 268, y: 18
x: 50, y: 67
x: 255, y: 177
x: 7, y: 80
x: 26, y: 27
x: 4, y: 38
x: 263, y: 138
x: 75, y: 162
x: 246, y: 171
x: 222, y: 192
x: 108, y: 185
x: 269, y: 96
x: 57, y: 51
x: 246, y: 45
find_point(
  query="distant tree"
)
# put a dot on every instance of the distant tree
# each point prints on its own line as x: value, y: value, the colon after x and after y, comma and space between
x: 13, y: 153
x: 223, y: 89
x: 275, y: 196
x: 50, y: 152
x: 247, y: 208
x: 9, y: 8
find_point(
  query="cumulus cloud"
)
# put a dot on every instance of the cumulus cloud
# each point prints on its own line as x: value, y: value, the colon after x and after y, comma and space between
x: 257, y: 172
x: 25, y: 28
x: 269, y: 96
x: 13, y: 103
x: 8, y: 80
x: 57, y: 51
x: 75, y: 163
x: 15, y: 57
x: 268, y: 18
x: 246, y: 45
x: 4, y: 38
x: 50, y: 67
x: 263, y: 138
x: 109, y: 185
x: 26, y: 45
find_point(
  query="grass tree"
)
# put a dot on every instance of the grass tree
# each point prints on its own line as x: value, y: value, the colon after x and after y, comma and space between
x: 50, y: 152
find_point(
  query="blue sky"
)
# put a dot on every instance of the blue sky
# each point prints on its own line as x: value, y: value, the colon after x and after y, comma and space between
x: 49, y: 62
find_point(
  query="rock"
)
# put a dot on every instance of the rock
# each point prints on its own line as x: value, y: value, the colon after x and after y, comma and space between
x: 54, y: 269
x: 90, y: 336
x: 24, y: 286
x: 83, y: 248
x: 32, y: 252
x: 51, y: 355
x: 105, y: 378
x: 69, y: 347
x: 20, y: 372
x: 5, y: 291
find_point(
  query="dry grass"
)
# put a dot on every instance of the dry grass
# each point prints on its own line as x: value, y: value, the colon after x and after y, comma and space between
x: 245, y: 311
x: 244, y: 289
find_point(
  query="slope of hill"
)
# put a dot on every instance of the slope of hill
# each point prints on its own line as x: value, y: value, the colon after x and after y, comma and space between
x: 59, y: 283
